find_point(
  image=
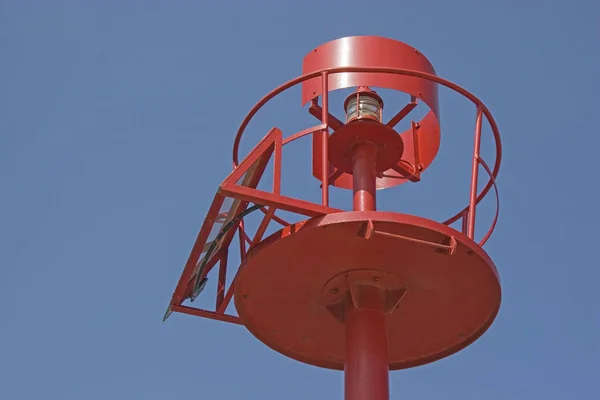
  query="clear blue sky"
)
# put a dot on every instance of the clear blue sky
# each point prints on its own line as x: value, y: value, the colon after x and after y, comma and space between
x: 116, y: 124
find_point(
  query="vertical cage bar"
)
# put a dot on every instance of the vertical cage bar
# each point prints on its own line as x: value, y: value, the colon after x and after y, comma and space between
x: 464, y: 221
x: 474, y: 176
x: 325, y: 140
x: 277, y: 155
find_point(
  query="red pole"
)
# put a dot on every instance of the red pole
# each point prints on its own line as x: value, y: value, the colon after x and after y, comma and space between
x: 366, y: 373
x: 364, y: 158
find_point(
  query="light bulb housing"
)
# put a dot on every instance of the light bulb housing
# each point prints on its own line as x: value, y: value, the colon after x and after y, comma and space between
x: 365, y: 104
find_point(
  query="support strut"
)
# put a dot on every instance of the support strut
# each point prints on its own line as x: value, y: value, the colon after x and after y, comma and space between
x: 364, y: 174
x: 366, y: 373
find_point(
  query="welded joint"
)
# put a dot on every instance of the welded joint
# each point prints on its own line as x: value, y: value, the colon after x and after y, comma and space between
x: 391, y: 297
x: 316, y: 111
x: 346, y: 292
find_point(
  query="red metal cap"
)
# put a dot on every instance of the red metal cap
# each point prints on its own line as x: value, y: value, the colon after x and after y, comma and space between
x: 422, y: 141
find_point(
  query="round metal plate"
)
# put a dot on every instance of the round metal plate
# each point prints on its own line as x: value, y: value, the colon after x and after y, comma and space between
x: 388, y: 142
x: 452, y: 287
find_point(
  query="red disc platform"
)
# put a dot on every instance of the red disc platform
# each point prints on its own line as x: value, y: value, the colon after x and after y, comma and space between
x: 442, y: 289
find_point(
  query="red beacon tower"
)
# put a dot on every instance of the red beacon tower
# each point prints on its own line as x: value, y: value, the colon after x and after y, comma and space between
x: 364, y: 291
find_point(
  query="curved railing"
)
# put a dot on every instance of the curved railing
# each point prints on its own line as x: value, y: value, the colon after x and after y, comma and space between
x: 468, y: 213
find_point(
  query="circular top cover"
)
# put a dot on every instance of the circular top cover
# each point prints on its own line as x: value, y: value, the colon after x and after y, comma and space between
x: 373, y: 51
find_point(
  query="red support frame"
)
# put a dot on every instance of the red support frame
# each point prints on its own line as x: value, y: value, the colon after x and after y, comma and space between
x: 367, y: 358
x: 403, y: 113
x: 272, y: 144
x: 412, y: 171
x: 249, y: 171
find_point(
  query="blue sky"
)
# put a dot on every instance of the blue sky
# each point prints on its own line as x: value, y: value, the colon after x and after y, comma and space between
x: 116, y: 124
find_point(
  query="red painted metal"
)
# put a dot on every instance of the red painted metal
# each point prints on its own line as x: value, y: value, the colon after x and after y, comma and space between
x: 364, y: 162
x: 258, y: 159
x: 402, y: 113
x: 474, y: 176
x: 452, y: 297
x: 364, y: 291
x: 365, y: 51
x: 388, y: 143
x: 366, y: 368
x: 325, y: 140
x: 366, y: 371
x: 207, y: 314
x: 391, y: 71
